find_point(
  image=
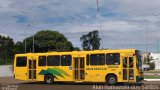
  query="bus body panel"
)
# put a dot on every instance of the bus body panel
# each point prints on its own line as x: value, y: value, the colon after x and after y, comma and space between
x: 20, y: 73
x: 91, y: 73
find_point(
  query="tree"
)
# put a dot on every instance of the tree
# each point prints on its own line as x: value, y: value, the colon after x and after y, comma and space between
x: 6, y: 49
x: 91, y: 41
x: 47, y: 40
x: 76, y: 49
x: 18, y: 47
x: 148, y: 60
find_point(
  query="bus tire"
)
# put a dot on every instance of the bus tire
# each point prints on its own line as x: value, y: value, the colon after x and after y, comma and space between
x: 111, y: 80
x: 49, y: 79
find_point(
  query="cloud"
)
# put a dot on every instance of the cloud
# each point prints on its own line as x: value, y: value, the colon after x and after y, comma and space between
x: 123, y: 22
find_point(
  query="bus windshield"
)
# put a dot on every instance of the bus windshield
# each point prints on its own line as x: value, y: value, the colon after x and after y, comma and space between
x: 138, y: 60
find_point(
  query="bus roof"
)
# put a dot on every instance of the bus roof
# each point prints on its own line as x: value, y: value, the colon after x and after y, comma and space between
x: 86, y: 52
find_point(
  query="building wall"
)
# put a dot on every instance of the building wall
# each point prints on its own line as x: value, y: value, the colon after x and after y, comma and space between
x: 6, y: 71
x: 156, y: 60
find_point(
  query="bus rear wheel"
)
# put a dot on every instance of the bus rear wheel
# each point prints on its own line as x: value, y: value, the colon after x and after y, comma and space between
x: 111, y: 80
x: 49, y: 79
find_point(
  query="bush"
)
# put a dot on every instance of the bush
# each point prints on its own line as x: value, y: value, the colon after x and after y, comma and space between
x: 152, y: 66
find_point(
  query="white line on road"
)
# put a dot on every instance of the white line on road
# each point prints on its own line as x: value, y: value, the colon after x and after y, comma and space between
x: 152, y: 79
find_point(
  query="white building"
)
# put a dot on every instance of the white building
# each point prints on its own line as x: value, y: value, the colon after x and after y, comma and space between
x: 156, y: 60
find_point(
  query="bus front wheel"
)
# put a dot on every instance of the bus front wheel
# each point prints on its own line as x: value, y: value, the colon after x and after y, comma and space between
x: 49, y: 79
x: 111, y: 80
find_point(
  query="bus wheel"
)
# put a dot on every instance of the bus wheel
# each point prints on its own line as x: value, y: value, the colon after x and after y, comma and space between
x: 111, y: 80
x: 49, y: 79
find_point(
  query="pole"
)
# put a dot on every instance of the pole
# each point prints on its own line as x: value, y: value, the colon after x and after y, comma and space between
x: 33, y: 42
x: 25, y: 42
x: 158, y: 42
x: 147, y: 38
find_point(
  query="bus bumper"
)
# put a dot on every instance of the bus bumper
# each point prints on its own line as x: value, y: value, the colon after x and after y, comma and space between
x: 139, y: 78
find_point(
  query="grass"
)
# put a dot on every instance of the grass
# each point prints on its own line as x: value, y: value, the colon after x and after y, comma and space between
x: 152, y: 71
x: 154, y: 74
x: 151, y: 77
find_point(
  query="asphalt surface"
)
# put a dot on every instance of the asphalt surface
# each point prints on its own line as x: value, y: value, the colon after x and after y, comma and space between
x: 11, y: 84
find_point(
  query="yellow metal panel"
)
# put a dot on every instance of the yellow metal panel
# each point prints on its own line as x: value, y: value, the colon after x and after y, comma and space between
x: 98, y: 73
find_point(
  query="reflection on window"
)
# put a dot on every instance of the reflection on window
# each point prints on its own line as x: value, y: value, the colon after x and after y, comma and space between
x: 87, y: 60
x: 112, y: 59
x: 124, y: 62
x: 21, y: 61
x: 97, y: 59
x: 130, y: 62
x: 66, y: 60
x: 53, y: 60
x: 42, y: 61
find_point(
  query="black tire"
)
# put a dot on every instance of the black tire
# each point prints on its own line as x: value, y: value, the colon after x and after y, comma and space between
x: 48, y: 79
x: 111, y: 80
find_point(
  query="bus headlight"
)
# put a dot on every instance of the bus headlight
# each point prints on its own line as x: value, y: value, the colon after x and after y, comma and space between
x: 131, y: 77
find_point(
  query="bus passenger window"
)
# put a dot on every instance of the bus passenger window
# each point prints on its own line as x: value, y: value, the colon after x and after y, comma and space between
x: 130, y: 62
x: 66, y: 60
x: 112, y: 59
x: 87, y: 60
x: 21, y: 61
x: 124, y: 62
x: 42, y: 61
x: 53, y: 60
x: 97, y: 59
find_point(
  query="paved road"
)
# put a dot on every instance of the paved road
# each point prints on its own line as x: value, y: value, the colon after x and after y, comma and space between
x: 11, y: 84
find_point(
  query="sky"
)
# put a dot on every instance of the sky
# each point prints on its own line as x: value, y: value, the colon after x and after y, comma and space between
x: 121, y: 23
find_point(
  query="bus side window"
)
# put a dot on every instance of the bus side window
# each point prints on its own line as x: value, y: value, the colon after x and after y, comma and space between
x: 42, y: 61
x: 124, y: 62
x: 66, y: 60
x: 87, y: 61
x: 112, y: 59
x: 53, y: 60
x: 21, y: 61
x: 97, y: 59
x: 130, y: 62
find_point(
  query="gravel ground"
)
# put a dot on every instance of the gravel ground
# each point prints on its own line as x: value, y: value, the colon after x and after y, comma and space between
x: 11, y: 84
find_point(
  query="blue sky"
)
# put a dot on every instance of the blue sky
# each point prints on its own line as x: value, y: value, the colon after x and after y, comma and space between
x: 123, y: 22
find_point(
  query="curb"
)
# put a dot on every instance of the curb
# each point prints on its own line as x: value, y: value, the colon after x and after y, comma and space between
x: 152, y: 79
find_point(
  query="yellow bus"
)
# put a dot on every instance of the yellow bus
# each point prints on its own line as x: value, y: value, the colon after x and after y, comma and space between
x: 109, y: 66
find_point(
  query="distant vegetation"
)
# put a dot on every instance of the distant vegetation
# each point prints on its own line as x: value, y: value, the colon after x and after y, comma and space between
x: 6, y: 50
x: 147, y: 60
x: 91, y: 41
x: 45, y: 41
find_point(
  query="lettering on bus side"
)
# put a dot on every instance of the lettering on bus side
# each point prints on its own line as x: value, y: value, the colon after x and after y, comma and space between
x: 113, y: 66
x: 96, y: 68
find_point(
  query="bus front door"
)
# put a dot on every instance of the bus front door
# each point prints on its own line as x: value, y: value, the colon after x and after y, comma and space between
x: 78, y: 69
x: 128, y: 69
x: 32, y: 70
